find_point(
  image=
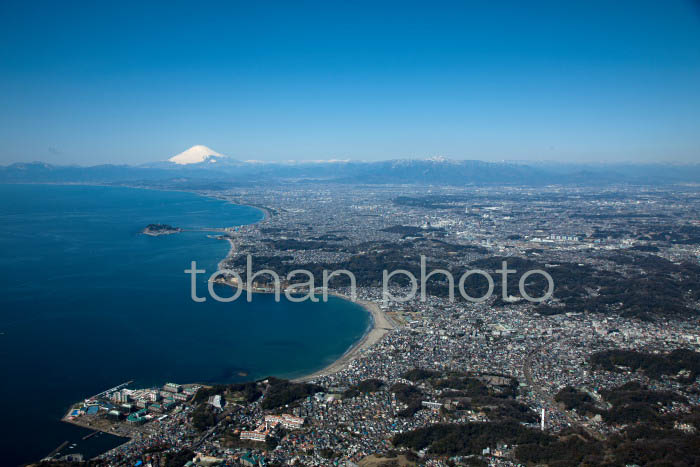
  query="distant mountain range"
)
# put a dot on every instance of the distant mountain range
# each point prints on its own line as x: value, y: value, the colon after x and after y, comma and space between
x: 201, y: 167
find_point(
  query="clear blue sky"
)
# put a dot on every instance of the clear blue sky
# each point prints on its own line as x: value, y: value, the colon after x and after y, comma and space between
x: 592, y: 80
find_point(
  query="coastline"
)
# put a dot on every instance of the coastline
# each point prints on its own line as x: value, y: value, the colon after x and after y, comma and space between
x: 92, y: 448
x: 267, y: 213
x: 380, y: 324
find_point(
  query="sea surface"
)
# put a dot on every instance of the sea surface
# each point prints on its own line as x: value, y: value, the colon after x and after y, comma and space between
x: 88, y: 302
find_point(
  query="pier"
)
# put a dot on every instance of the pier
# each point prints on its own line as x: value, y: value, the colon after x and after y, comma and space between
x: 56, y: 451
x: 90, y: 435
x: 111, y: 390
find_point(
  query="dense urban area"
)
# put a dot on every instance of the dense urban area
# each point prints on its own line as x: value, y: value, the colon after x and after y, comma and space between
x: 604, y: 372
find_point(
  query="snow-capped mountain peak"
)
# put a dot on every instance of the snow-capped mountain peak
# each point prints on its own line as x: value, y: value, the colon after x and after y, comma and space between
x: 196, y: 155
x: 438, y: 159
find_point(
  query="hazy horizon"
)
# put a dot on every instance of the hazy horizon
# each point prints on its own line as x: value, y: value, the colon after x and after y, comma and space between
x: 580, y: 82
x: 438, y: 158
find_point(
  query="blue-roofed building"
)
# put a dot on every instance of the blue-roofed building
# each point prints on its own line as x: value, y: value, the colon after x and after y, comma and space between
x: 251, y: 459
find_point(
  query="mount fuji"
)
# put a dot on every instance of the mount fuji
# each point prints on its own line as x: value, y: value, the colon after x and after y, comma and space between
x: 197, y: 155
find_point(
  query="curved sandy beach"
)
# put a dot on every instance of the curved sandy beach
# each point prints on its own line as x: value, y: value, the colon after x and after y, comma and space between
x: 381, y: 324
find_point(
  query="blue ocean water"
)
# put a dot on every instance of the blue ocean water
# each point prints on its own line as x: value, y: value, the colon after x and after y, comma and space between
x: 87, y: 302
